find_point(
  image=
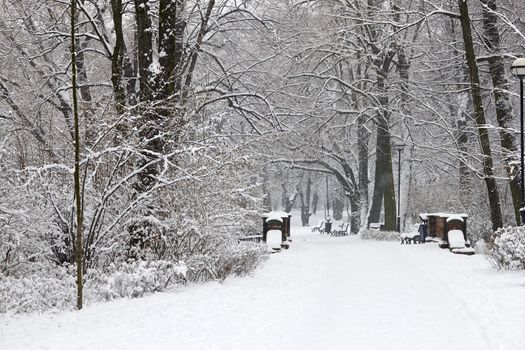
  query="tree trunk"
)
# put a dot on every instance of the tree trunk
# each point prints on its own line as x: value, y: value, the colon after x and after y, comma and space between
x: 384, y: 191
x: 85, y: 92
x: 78, y: 203
x: 267, y: 197
x: 500, y: 90
x: 465, y: 186
x: 307, y: 206
x: 488, y: 166
x: 406, y: 108
x: 355, y: 212
x: 459, y: 112
x: 363, y: 138
x: 117, y: 60
x: 288, y: 201
x: 171, y: 30
x: 154, y: 117
x: 305, y: 203
x: 339, y: 206
x: 144, y: 48
x: 351, y: 191
x: 315, y: 201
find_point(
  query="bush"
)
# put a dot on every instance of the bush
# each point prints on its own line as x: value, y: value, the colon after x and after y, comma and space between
x: 134, y: 279
x: 56, y: 289
x: 379, y: 235
x: 508, y: 249
x: 37, y: 293
x: 236, y: 260
x: 134, y: 245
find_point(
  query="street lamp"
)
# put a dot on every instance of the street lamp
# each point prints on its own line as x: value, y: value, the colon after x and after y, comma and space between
x: 518, y: 70
x: 327, y: 206
x: 399, y: 147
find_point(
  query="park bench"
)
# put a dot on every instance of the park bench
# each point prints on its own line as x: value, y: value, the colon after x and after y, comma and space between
x: 375, y: 226
x: 251, y: 238
x: 341, y: 230
x: 319, y: 226
x: 409, y: 238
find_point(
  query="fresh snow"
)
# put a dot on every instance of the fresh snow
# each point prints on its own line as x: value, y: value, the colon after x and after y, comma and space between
x: 323, y: 293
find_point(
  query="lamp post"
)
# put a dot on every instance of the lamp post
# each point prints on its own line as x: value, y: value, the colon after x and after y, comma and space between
x: 518, y: 70
x: 399, y: 147
x: 327, y: 206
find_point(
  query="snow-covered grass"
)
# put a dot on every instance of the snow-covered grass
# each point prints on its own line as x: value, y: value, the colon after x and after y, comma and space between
x: 322, y: 293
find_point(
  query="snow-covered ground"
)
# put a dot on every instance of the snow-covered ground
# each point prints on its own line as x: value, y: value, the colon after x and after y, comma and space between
x: 323, y: 293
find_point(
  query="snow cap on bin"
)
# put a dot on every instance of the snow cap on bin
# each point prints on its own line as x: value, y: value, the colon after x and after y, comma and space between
x: 455, y: 217
x: 274, y: 216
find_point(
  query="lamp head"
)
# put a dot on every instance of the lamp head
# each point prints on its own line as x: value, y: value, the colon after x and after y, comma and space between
x: 518, y: 68
x: 400, y: 147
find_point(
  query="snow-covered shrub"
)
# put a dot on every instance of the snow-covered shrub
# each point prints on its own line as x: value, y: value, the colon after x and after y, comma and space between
x: 235, y: 260
x: 26, y: 233
x: 57, y: 291
x: 37, y: 293
x: 134, y: 279
x: 379, y: 235
x: 206, y: 196
x: 508, y: 249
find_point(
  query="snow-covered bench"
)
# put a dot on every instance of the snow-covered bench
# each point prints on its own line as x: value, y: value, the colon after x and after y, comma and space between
x: 410, y: 237
x: 375, y: 226
x: 341, y: 230
x: 319, y: 226
x: 251, y: 238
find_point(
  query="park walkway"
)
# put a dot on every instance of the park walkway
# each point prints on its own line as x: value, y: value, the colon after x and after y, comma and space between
x: 324, y: 293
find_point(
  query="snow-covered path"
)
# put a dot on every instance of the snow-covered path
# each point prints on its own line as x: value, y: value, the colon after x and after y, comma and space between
x: 323, y: 293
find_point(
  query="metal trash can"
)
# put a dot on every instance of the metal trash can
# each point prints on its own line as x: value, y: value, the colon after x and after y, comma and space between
x: 423, y: 231
x: 328, y: 226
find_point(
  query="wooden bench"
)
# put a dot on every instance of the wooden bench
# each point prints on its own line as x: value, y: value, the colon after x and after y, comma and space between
x: 252, y: 238
x: 376, y: 226
x: 319, y: 226
x: 342, y: 230
x: 409, y: 238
